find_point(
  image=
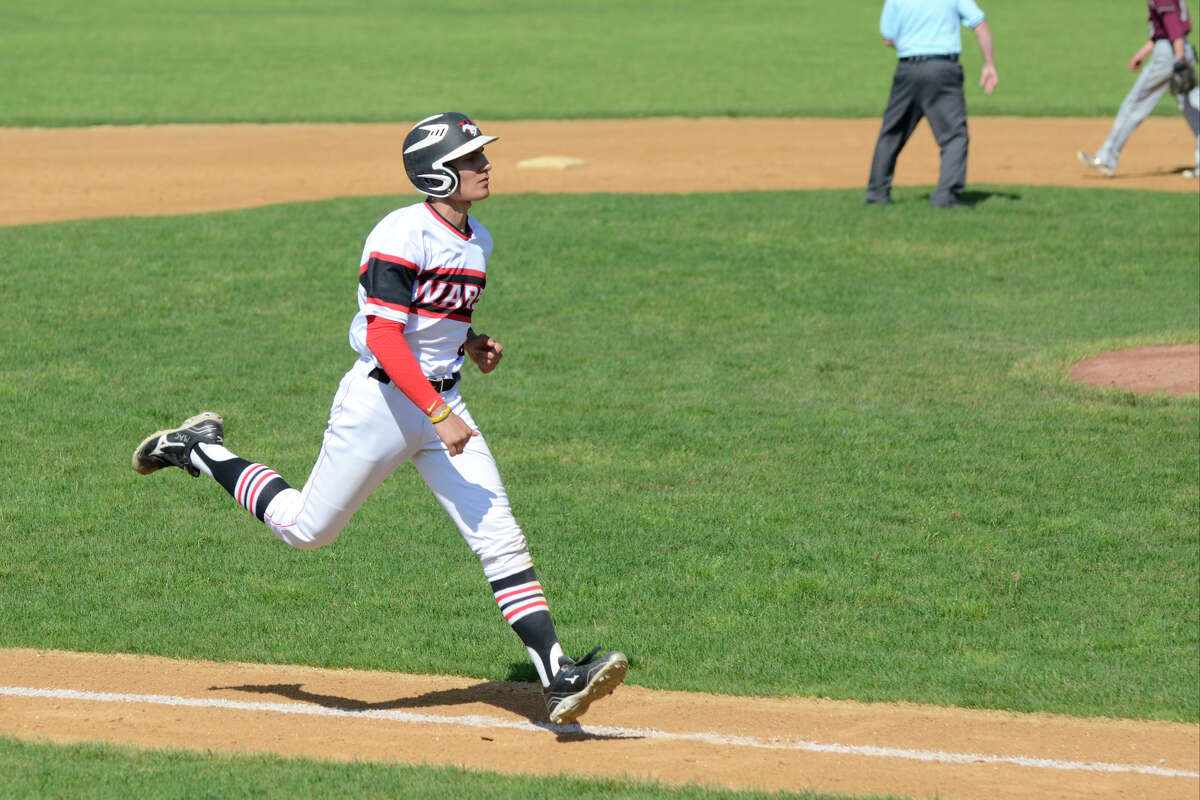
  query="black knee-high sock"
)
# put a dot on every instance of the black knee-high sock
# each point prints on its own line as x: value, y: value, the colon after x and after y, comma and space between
x: 524, y: 608
x: 254, y: 486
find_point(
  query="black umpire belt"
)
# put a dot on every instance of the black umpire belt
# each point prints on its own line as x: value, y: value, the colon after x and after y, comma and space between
x: 439, y: 384
x: 943, y: 57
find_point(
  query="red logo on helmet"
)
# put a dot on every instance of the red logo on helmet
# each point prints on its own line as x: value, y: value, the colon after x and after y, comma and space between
x: 469, y: 128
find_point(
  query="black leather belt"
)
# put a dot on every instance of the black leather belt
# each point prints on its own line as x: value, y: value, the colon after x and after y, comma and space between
x: 439, y: 384
x: 945, y: 57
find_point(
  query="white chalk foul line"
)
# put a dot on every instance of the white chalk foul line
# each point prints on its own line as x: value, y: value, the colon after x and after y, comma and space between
x: 479, y: 721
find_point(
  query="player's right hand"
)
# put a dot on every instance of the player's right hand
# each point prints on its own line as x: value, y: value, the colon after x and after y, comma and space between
x: 454, y: 433
x: 484, y: 351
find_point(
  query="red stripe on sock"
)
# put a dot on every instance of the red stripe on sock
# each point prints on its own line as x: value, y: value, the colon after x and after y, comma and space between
x: 508, y: 616
x: 259, y: 483
x: 537, y: 587
x: 239, y: 488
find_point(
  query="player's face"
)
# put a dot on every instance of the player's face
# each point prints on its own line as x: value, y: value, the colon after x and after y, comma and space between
x: 473, y: 170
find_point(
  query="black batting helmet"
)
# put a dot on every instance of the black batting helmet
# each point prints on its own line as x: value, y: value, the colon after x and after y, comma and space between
x: 435, y: 141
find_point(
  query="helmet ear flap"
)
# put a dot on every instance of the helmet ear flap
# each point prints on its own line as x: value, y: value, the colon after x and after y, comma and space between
x: 441, y: 183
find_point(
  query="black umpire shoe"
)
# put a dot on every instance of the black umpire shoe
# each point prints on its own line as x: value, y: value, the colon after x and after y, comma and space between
x: 578, y: 683
x: 172, y: 448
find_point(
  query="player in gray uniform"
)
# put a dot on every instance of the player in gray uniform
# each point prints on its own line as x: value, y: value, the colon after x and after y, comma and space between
x: 423, y: 270
x: 1169, y: 23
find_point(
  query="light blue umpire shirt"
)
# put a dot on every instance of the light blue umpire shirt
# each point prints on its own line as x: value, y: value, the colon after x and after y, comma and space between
x: 927, y: 27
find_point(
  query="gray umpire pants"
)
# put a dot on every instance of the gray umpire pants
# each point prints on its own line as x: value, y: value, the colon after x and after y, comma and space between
x: 1148, y: 89
x: 932, y: 89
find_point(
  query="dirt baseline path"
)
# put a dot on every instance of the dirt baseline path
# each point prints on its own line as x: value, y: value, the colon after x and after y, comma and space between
x: 772, y: 744
x: 792, y: 744
x: 51, y: 174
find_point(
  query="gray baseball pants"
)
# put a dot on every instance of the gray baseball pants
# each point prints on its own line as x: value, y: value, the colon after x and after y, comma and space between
x: 1147, y: 90
x: 932, y: 89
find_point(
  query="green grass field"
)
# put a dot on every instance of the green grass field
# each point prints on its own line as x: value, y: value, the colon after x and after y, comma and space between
x: 71, y: 62
x: 805, y: 449
x: 808, y: 430
x: 768, y: 443
x: 100, y: 772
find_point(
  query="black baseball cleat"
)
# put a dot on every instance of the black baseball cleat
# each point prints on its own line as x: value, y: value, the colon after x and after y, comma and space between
x: 171, y: 448
x: 578, y: 683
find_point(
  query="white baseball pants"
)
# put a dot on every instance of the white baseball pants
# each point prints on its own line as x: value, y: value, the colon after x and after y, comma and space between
x: 373, y: 429
x: 1152, y: 82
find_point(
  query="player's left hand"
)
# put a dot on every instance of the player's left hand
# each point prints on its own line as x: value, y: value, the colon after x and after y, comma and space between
x: 1183, y: 77
x: 455, y: 433
x: 484, y: 351
x: 988, y: 79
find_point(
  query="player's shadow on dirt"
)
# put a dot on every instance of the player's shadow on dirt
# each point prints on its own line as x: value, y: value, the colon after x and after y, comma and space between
x: 1150, y: 173
x: 522, y: 700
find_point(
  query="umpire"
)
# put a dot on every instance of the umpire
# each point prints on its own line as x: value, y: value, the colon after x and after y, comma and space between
x: 929, y: 83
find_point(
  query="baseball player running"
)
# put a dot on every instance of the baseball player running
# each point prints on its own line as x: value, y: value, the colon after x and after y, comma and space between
x: 422, y: 272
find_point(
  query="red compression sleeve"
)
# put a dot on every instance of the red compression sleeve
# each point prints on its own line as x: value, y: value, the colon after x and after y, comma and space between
x: 386, y: 341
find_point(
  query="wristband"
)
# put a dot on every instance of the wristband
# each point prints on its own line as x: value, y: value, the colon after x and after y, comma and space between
x: 439, y: 417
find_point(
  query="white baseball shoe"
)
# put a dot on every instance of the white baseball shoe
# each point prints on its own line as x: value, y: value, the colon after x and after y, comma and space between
x: 1193, y: 174
x: 1096, y: 164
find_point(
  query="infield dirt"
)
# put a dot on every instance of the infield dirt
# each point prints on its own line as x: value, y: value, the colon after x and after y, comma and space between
x: 69, y: 173
x: 787, y: 743
x: 673, y: 737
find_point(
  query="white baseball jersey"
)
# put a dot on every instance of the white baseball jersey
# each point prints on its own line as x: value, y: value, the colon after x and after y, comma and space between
x: 422, y: 272
x: 417, y: 270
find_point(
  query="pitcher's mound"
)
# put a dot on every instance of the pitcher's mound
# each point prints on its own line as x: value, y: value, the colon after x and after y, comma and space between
x: 1173, y: 369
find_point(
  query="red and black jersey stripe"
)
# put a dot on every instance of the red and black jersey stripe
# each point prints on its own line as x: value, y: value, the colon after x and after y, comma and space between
x: 388, y: 281
x: 395, y: 283
x: 447, y: 292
